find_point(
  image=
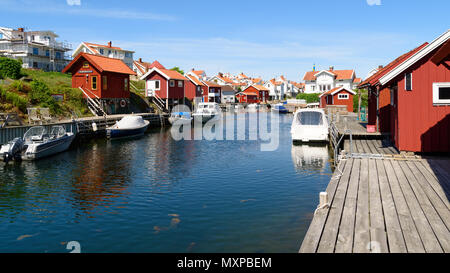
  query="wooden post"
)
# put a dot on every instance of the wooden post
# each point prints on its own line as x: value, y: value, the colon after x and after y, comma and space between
x: 323, y: 196
x: 359, y: 103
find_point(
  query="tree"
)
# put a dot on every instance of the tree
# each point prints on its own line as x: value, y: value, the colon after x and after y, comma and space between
x: 176, y: 68
x: 10, y: 68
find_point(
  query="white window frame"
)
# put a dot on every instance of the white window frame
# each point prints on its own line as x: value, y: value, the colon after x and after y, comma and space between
x: 436, y: 100
x: 344, y: 96
x: 172, y: 83
x: 159, y: 84
x: 180, y: 83
x: 411, y: 81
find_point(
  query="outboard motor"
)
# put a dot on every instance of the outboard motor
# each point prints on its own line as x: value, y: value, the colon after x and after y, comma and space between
x: 15, y: 150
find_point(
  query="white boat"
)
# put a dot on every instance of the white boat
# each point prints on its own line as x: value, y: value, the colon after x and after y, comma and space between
x: 253, y: 107
x: 37, y: 143
x: 128, y: 126
x: 206, y: 111
x: 180, y: 118
x: 279, y: 108
x: 309, y: 125
x: 311, y: 156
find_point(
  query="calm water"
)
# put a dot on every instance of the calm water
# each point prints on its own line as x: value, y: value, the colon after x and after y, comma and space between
x: 154, y: 194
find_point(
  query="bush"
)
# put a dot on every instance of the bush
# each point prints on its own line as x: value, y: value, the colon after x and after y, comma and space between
x: 10, y: 68
x: 40, y: 94
x: 19, y: 86
x: 310, y: 98
x: 364, y: 100
x: 15, y: 99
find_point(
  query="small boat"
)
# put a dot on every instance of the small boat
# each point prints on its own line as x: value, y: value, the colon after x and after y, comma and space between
x: 253, y: 107
x: 128, y: 126
x: 37, y: 143
x: 309, y: 124
x: 279, y: 108
x: 180, y: 118
x: 207, y: 111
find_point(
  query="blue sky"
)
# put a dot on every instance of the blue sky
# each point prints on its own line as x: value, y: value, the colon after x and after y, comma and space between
x: 260, y: 38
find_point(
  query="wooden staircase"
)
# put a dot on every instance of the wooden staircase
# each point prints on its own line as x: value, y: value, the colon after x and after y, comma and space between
x: 94, y: 104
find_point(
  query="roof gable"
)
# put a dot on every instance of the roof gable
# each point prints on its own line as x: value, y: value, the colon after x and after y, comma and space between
x: 102, y: 64
x: 337, y: 90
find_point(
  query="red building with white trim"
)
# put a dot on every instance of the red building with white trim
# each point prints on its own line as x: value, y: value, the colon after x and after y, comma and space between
x: 338, y: 96
x: 194, y: 89
x: 410, y: 98
x: 102, y: 78
x: 254, y: 94
x: 212, y: 91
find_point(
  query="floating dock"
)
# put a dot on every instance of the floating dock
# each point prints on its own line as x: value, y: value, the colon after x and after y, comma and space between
x: 379, y: 200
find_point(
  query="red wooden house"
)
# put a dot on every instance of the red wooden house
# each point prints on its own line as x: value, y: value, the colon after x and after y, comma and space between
x: 102, y: 78
x: 165, y: 85
x: 193, y: 89
x: 338, y: 96
x: 410, y: 98
x: 211, y: 91
x: 254, y: 94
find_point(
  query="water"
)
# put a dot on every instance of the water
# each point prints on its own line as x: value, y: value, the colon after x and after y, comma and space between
x: 154, y: 194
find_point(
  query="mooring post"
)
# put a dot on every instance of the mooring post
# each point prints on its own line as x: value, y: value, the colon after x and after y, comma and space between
x: 323, y: 196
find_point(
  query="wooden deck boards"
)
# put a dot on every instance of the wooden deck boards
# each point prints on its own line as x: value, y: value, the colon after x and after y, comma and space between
x: 384, y: 205
x: 370, y: 146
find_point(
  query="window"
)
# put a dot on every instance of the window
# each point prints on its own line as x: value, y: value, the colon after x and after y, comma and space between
x: 35, y: 51
x: 408, y: 81
x: 58, y: 55
x: 328, y: 87
x: 313, y: 88
x: 211, y: 90
x: 1, y: 35
x: 441, y: 93
x: 47, y: 53
x: 128, y: 55
x: 102, y: 51
x: 180, y: 83
x: 105, y: 82
x: 172, y: 83
x: 157, y: 85
x: 94, y: 82
x: 343, y: 96
x: 125, y: 84
x: 310, y: 118
x: 85, y: 64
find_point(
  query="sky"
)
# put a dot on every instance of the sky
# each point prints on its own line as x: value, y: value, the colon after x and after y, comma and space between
x: 259, y: 38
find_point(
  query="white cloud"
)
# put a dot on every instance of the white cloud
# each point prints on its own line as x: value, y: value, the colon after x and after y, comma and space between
x: 374, y: 2
x: 73, y: 2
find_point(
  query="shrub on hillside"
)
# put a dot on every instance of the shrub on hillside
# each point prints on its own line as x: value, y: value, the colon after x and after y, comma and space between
x: 15, y: 99
x: 19, y: 86
x: 40, y: 94
x: 309, y: 97
x: 10, y: 68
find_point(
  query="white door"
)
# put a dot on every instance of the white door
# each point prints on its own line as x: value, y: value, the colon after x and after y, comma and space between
x: 150, y: 88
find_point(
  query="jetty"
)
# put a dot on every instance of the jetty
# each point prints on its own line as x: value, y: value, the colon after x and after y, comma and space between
x: 380, y: 200
x: 83, y: 127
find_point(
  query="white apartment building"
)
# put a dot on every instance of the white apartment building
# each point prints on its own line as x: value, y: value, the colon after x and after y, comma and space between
x: 325, y: 80
x: 106, y: 50
x: 36, y: 49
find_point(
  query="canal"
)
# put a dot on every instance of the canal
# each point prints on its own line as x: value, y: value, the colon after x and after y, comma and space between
x: 155, y: 194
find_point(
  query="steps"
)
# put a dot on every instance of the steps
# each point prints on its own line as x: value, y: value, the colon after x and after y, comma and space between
x: 94, y: 104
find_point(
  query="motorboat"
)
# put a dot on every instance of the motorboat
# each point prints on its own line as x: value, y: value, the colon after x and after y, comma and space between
x: 311, y: 156
x: 128, y: 126
x: 180, y: 118
x: 279, y: 108
x: 309, y: 124
x: 37, y: 143
x: 206, y: 111
x: 253, y: 107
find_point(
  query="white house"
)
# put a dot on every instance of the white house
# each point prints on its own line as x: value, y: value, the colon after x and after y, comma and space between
x: 106, y: 50
x: 199, y: 74
x: 36, y: 49
x: 277, y: 89
x: 325, y: 80
x: 228, y: 94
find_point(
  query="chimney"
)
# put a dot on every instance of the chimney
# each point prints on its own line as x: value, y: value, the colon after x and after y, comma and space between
x: 220, y: 74
x: 20, y: 29
x: 331, y: 68
x: 109, y: 44
x: 193, y: 69
x: 140, y: 60
x: 380, y: 66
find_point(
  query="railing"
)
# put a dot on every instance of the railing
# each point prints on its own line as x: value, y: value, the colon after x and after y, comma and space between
x: 93, y: 104
x: 336, y: 140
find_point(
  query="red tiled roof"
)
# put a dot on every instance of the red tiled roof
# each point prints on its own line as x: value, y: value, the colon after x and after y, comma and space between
x: 102, y: 63
x: 340, y: 74
x: 373, y: 80
x: 225, y: 79
x: 194, y: 80
x: 336, y: 89
x: 357, y: 80
x: 260, y: 87
x: 99, y: 45
x: 157, y: 65
x: 198, y: 72
x: 172, y: 74
x: 211, y: 84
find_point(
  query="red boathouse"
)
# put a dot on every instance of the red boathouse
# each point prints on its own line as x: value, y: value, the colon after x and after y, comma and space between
x: 194, y: 89
x: 102, y: 78
x: 410, y: 98
x: 338, y: 96
x: 253, y: 94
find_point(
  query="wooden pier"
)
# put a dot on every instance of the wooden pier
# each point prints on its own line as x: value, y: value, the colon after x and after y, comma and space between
x: 379, y: 200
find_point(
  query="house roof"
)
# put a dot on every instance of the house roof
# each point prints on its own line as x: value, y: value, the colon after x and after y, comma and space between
x: 357, y: 80
x: 211, y: 84
x: 166, y: 73
x: 275, y: 82
x: 337, y: 90
x: 225, y: 79
x: 242, y: 75
x: 339, y: 74
x: 247, y: 92
x: 373, y: 80
x: 226, y: 88
x: 259, y: 87
x: 102, y: 64
x: 415, y: 57
x: 194, y: 80
x: 198, y: 72
x: 442, y: 53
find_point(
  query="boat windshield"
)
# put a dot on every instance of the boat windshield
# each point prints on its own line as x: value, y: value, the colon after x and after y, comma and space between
x: 35, y: 133
x: 310, y: 118
x: 57, y: 131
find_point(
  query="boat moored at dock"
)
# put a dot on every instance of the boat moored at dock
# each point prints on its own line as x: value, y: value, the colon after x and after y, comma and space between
x: 128, y: 126
x: 309, y: 125
x: 180, y: 118
x: 279, y: 108
x: 207, y: 111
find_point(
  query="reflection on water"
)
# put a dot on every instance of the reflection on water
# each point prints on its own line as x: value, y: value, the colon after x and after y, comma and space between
x: 154, y: 194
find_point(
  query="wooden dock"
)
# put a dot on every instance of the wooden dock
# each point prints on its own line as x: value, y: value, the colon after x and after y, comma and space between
x: 398, y: 204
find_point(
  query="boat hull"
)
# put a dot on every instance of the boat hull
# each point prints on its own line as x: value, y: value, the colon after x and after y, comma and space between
x: 179, y: 121
x: 114, y: 133
x: 37, y: 151
x: 205, y: 117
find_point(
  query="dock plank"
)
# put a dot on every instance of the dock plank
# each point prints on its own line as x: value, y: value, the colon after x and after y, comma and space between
x: 361, y: 242
x: 328, y: 241
x: 377, y: 228
x: 426, y: 233
x: 433, y: 182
